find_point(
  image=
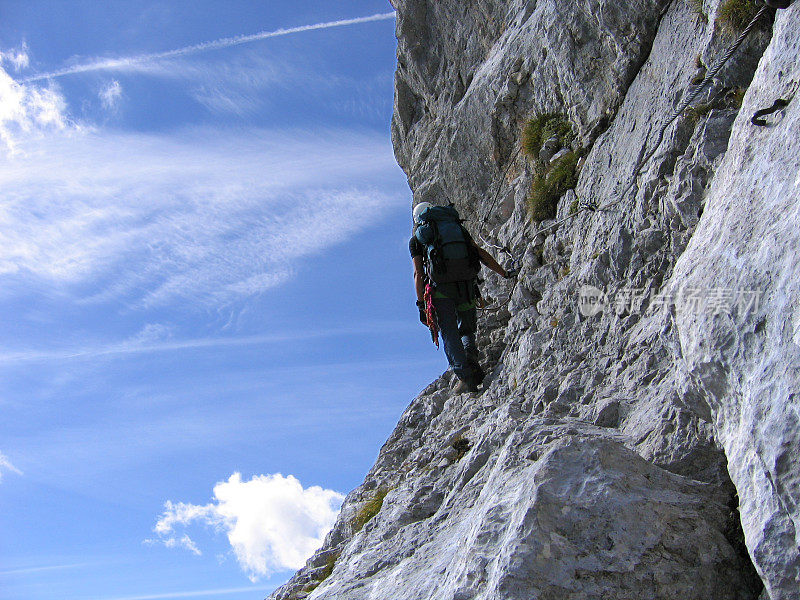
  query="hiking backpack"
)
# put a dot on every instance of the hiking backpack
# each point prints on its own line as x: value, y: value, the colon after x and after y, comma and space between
x: 449, y: 255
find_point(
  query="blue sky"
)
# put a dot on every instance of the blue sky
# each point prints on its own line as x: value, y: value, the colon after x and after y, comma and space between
x: 209, y: 327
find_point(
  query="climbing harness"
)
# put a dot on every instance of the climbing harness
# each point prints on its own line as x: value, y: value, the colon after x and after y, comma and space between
x: 757, y: 118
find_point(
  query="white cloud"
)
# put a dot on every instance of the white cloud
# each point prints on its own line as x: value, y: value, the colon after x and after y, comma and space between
x: 218, y: 98
x: 27, y: 111
x: 207, y: 216
x: 17, y: 57
x: 236, y: 85
x: 158, y: 338
x: 272, y: 523
x: 183, y: 542
x: 110, y: 95
x: 151, y: 334
x: 132, y: 62
x: 5, y: 464
x: 195, y: 593
x: 46, y: 568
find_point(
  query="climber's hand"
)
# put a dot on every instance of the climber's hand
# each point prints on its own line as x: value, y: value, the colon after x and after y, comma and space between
x: 511, y: 273
x: 423, y: 317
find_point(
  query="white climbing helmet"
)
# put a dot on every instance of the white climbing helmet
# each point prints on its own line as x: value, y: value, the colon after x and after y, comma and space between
x: 419, y: 209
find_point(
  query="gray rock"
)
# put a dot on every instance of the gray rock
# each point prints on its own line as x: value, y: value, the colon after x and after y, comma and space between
x: 549, y: 149
x: 746, y: 360
x: 559, y: 511
x: 557, y: 155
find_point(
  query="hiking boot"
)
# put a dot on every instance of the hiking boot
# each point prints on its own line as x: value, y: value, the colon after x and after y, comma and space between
x: 464, y: 386
x: 479, y: 373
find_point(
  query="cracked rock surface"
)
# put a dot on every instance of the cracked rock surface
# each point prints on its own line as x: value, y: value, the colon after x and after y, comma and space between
x: 650, y: 450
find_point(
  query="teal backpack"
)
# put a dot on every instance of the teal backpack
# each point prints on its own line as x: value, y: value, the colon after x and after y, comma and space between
x: 449, y: 256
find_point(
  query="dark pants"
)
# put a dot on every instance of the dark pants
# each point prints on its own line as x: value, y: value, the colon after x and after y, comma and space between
x: 458, y: 329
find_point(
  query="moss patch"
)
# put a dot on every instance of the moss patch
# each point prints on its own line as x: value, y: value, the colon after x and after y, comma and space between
x: 369, y: 509
x: 735, y: 15
x: 327, y: 569
x: 548, y: 186
x: 461, y: 445
x: 329, y: 564
x: 736, y: 97
x: 695, y: 113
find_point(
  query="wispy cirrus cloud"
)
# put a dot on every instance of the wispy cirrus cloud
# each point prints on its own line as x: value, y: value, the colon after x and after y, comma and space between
x: 110, y: 95
x: 194, y: 593
x: 132, y: 62
x: 205, y: 215
x: 236, y: 85
x: 5, y: 465
x: 155, y: 338
x: 272, y: 522
x: 46, y: 568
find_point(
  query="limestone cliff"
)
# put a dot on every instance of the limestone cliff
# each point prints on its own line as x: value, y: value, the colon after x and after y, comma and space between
x: 646, y: 451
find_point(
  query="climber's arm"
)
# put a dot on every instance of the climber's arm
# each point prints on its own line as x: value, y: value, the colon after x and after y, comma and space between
x: 490, y: 262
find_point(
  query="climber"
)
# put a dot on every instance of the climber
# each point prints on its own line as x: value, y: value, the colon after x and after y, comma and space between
x: 446, y: 266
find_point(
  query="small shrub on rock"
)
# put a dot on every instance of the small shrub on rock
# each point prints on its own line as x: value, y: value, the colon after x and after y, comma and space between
x: 735, y: 15
x: 548, y: 186
x: 541, y: 128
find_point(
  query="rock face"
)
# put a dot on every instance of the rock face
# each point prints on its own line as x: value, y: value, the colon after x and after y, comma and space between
x: 649, y: 447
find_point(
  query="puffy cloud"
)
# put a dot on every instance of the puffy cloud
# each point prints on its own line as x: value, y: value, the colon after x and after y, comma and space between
x: 5, y: 464
x: 272, y: 523
x: 110, y: 95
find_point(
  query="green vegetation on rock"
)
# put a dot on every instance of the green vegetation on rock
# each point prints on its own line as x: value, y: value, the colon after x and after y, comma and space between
x: 548, y: 186
x: 736, y: 14
x: 697, y: 112
x: 736, y: 97
x: 699, y: 10
x: 541, y: 128
x: 369, y: 509
x: 319, y: 577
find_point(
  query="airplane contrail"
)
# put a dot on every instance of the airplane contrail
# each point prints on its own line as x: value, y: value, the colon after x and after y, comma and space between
x: 111, y: 64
